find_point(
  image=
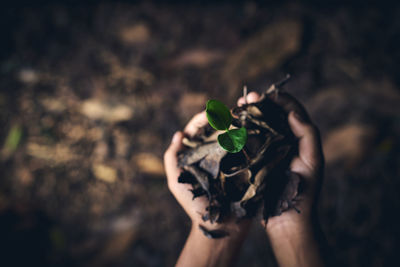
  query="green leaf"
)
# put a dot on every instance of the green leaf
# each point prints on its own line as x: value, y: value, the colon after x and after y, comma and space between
x: 218, y: 115
x: 233, y: 140
x: 13, y: 138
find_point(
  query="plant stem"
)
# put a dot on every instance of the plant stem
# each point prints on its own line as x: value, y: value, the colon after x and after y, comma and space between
x: 246, y: 155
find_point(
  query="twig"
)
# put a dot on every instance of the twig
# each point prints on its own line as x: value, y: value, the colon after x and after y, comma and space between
x: 246, y: 155
x: 279, y: 84
x: 262, y: 124
x: 245, y: 94
x: 237, y: 172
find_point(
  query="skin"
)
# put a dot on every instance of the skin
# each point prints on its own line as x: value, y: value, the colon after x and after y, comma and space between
x: 294, y: 237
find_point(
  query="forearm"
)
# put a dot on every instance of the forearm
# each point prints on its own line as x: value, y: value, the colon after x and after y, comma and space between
x: 296, y: 245
x: 200, y: 250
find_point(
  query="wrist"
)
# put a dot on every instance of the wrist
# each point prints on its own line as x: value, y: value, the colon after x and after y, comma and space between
x: 292, y: 223
x: 295, y: 242
x: 200, y: 250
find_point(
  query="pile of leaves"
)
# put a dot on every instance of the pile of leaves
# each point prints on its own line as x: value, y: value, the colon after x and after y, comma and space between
x: 238, y: 184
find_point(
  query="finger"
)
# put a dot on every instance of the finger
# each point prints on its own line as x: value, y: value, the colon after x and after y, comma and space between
x: 310, y: 151
x: 251, y: 98
x: 171, y: 158
x: 289, y: 103
x: 195, y: 124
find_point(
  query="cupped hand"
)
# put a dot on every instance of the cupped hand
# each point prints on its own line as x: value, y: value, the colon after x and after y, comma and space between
x: 308, y: 164
x: 194, y: 208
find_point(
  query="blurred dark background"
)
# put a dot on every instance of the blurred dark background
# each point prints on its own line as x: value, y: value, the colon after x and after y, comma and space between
x: 92, y: 91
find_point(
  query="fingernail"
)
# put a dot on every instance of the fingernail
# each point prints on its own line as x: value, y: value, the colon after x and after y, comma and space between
x: 175, y: 138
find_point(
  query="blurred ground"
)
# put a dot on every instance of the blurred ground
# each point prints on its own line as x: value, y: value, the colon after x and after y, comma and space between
x: 92, y: 93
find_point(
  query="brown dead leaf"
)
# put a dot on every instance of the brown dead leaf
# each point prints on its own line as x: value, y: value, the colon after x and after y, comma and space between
x: 195, y: 155
x: 101, y: 110
x: 347, y: 143
x: 53, y: 104
x: 104, y: 173
x: 57, y: 154
x: 149, y: 164
x: 198, y: 58
x: 135, y: 34
x: 252, y: 190
x: 28, y: 76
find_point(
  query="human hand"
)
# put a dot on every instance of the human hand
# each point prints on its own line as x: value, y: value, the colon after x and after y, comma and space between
x: 308, y: 164
x: 193, y: 207
x: 199, y: 250
x: 181, y: 192
x: 295, y: 237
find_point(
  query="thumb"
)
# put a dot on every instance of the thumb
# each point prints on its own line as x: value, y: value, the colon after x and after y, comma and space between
x: 310, y: 151
x: 170, y: 156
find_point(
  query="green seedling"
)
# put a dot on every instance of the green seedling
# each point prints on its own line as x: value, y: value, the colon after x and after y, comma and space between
x: 220, y: 118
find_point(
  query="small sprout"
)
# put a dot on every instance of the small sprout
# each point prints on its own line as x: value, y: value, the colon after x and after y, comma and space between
x: 233, y: 140
x: 220, y: 118
x: 218, y: 115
